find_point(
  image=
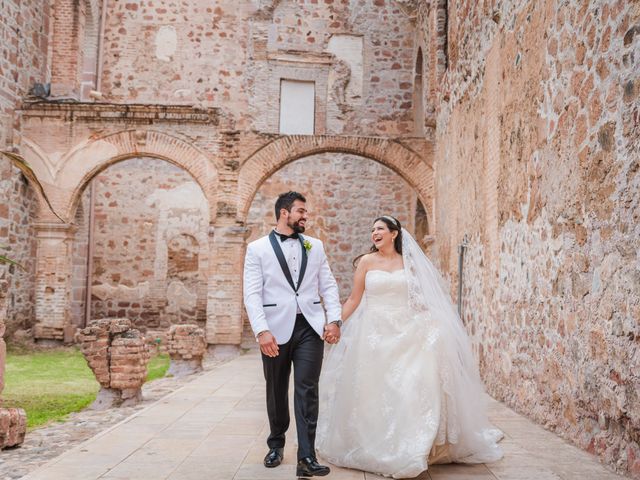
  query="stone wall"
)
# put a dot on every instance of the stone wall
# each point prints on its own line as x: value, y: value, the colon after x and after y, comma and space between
x: 370, y: 80
x: 18, y: 207
x: 24, y: 40
x: 233, y: 54
x: 537, y: 154
x: 176, y: 53
x: 24, y: 29
x: 150, y: 245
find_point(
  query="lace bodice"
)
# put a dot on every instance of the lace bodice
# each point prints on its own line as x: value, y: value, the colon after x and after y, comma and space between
x: 386, y: 290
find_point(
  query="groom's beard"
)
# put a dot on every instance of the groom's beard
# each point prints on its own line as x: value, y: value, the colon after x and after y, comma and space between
x: 296, y: 227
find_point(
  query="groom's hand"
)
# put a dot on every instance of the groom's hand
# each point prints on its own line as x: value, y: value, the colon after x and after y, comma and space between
x: 331, y: 333
x: 268, y: 344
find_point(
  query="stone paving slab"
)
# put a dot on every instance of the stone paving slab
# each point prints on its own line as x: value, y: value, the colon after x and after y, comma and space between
x: 215, y: 428
x: 48, y: 442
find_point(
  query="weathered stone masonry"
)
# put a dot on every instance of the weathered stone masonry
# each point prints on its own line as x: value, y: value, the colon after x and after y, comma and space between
x: 537, y: 162
x: 150, y: 245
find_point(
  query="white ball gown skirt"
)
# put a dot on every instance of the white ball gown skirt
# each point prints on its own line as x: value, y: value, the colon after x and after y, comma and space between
x: 386, y: 403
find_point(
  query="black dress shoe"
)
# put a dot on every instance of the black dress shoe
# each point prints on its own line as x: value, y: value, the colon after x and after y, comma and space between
x: 309, y: 467
x: 273, y: 458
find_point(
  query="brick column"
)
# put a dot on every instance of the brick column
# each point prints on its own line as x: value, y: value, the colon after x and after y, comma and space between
x: 68, y: 32
x: 224, y: 296
x: 53, y: 281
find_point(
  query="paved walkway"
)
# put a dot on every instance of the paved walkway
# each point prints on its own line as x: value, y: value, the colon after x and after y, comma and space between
x: 214, y: 428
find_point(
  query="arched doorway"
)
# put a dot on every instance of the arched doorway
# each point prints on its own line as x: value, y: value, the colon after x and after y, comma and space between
x: 416, y: 169
x: 345, y: 193
x: 65, y: 186
x: 141, y: 249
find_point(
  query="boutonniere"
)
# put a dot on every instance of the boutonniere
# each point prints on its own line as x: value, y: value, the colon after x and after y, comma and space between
x: 307, y: 245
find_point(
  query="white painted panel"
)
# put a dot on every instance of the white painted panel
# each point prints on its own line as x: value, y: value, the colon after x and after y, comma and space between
x: 166, y: 42
x: 349, y: 48
x: 297, y: 107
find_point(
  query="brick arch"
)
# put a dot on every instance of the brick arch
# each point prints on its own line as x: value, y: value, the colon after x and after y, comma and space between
x: 91, y: 157
x: 415, y: 170
x: 44, y: 207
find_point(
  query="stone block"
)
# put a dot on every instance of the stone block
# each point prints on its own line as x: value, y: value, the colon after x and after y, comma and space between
x: 118, y: 356
x: 13, y: 427
x: 186, y: 346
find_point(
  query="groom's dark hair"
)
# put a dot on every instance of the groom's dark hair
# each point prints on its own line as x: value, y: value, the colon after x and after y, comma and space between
x: 285, y: 200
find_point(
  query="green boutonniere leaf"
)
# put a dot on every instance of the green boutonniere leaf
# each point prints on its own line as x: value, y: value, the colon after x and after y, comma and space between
x: 307, y: 245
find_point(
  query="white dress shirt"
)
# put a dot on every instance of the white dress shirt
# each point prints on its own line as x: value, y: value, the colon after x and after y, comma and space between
x: 292, y: 251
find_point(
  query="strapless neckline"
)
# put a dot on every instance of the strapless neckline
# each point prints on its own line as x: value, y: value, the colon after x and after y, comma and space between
x: 385, y: 271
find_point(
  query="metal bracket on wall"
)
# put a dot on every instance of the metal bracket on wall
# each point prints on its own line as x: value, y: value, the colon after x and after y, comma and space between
x: 461, y: 250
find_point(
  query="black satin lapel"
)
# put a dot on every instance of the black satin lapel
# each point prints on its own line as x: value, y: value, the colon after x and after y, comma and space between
x: 303, y: 267
x: 280, y: 256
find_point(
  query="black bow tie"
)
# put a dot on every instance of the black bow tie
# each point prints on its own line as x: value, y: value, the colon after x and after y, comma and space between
x: 284, y: 237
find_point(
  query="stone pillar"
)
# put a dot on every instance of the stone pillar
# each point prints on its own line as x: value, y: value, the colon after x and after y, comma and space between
x: 13, y: 421
x: 224, y: 297
x: 118, y: 356
x: 186, y: 347
x: 53, y: 282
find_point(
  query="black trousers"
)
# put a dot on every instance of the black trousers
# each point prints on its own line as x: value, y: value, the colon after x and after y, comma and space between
x: 304, y: 351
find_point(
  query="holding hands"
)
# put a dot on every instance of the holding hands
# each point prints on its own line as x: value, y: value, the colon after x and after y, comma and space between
x: 269, y: 345
x: 332, y: 333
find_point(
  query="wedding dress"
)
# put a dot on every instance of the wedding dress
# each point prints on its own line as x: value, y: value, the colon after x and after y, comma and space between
x: 402, y: 390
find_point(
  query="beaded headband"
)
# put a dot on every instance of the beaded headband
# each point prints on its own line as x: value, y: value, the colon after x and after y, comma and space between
x: 393, y: 220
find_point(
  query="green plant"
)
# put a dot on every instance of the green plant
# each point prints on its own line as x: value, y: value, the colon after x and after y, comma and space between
x: 158, y: 366
x: 7, y: 260
x: 4, y: 259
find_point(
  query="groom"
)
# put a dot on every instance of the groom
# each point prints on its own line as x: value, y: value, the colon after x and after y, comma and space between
x: 286, y: 278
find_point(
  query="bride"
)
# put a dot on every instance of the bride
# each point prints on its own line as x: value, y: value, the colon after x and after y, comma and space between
x: 401, y: 390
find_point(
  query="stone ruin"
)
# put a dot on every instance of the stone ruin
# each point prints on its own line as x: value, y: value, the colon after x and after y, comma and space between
x: 13, y: 421
x: 118, y: 355
x: 186, y: 346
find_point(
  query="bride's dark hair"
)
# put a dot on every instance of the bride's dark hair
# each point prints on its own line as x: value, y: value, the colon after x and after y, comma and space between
x: 393, y: 225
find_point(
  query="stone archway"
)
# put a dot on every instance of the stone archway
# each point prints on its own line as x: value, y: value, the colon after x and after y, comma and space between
x: 141, y: 247
x: 64, y: 183
x: 224, y: 309
x: 82, y: 163
x: 415, y: 170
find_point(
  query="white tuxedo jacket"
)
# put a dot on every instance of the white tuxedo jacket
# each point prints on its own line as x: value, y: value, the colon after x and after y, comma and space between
x: 271, y: 298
